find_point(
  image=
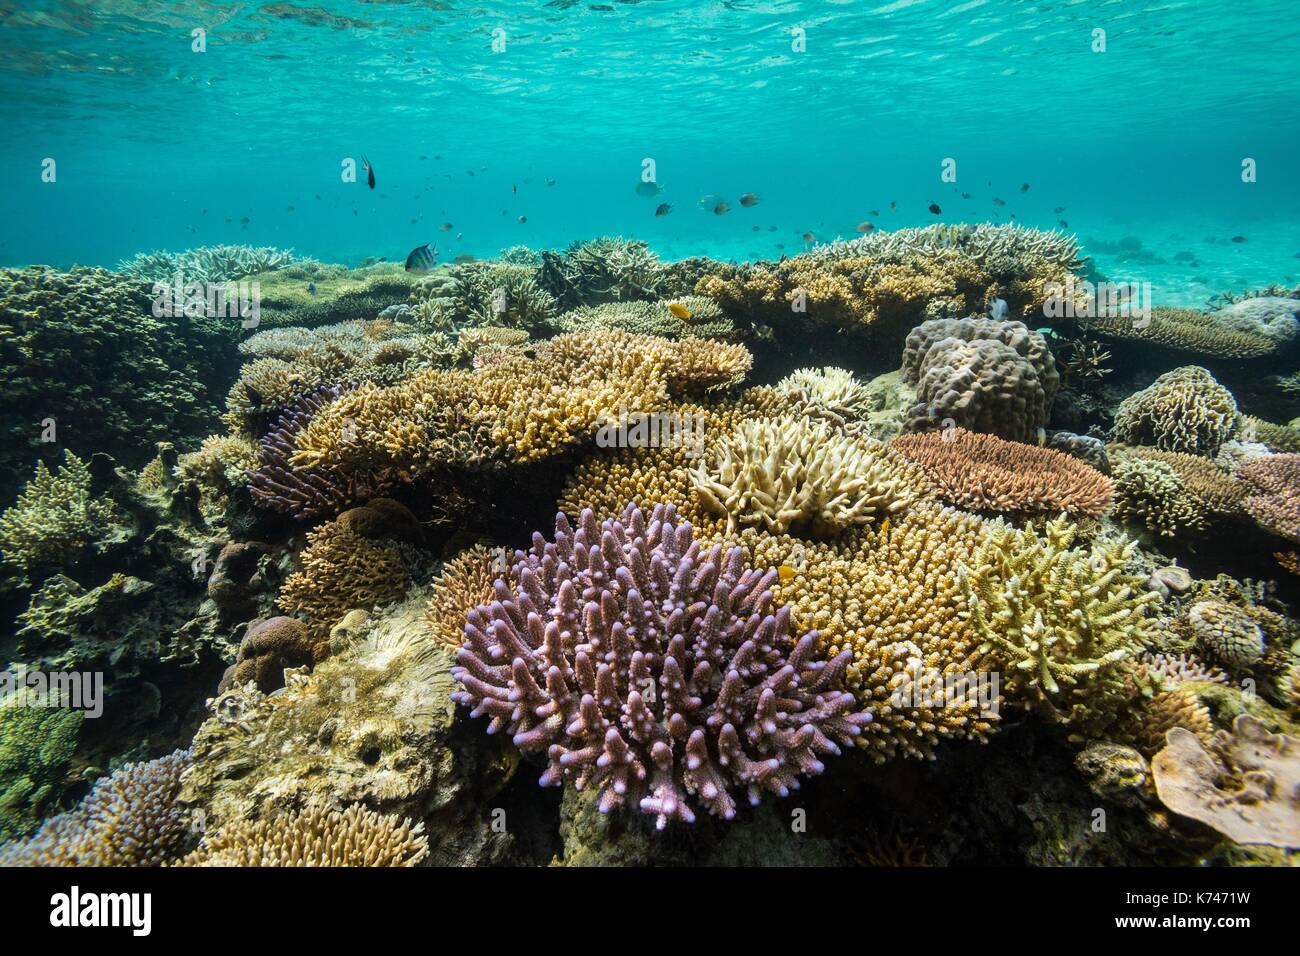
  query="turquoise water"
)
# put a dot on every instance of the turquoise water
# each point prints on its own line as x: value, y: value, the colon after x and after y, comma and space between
x: 159, y: 146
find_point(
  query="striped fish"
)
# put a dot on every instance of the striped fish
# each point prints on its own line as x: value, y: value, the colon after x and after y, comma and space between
x: 422, y: 259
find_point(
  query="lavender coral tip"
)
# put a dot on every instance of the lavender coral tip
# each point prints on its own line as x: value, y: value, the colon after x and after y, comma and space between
x: 652, y: 670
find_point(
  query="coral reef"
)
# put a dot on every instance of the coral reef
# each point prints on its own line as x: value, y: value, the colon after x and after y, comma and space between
x: 790, y: 474
x: 1273, y: 493
x: 601, y: 270
x: 986, y: 473
x: 316, y: 836
x: 1184, y: 410
x: 980, y: 374
x: 705, y: 320
x: 671, y: 682
x: 1187, y: 330
x: 1245, y: 785
x: 1058, y: 620
x: 465, y: 582
x: 129, y: 819
x: 36, y: 745
x: 832, y: 394
x: 206, y: 263
x: 1226, y: 633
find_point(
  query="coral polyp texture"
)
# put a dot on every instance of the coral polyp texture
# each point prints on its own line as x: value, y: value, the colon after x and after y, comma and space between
x: 653, y: 671
x: 986, y: 473
x: 1272, y: 486
x: 1185, y: 410
x: 984, y: 375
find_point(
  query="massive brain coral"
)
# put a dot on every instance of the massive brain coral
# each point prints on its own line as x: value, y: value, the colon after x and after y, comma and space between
x: 652, y: 670
x: 1183, y: 410
x: 981, y: 374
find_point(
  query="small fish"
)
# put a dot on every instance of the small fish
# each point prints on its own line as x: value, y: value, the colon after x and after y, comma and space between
x: 550, y: 182
x: 755, y: 228
x: 893, y: 207
x: 254, y: 396
x: 469, y: 172
x: 780, y: 245
x: 649, y: 189
x: 664, y: 209
x: 245, y: 220
x: 865, y: 227
x: 720, y: 209
x: 1058, y: 210
x: 422, y: 259
x: 290, y: 209
x: 1063, y: 224
x: 874, y: 212
x: 318, y: 195
x: 998, y: 309
x: 422, y: 156
x: 446, y: 227
x: 748, y: 199
x: 808, y: 237
x: 998, y: 202
x: 965, y: 195
x: 514, y: 188
x: 370, y: 171
x: 934, y: 208
x: 523, y: 219
x: 1024, y: 187
x: 1239, y: 239
x: 437, y: 155
x: 785, y: 573
x: 884, y: 526
x: 311, y: 288
x: 679, y: 310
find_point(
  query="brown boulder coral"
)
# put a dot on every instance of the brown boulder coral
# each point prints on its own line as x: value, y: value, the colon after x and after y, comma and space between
x: 1246, y: 784
x: 267, y: 649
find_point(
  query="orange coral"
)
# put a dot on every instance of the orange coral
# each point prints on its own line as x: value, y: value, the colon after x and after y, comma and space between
x: 986, y: 473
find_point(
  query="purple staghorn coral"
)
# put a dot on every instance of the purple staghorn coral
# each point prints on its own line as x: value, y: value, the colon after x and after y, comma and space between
x: 302, y: 492
x: 652, y: 670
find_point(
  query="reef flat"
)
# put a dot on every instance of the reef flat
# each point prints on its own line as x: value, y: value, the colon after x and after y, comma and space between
x: 929, y: 547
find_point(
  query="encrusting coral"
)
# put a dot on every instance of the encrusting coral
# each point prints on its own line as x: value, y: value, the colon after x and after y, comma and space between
x: 1246, y: 784
x: 790, y: 474
x: 981, y: 374
x: 129, y: 819
x: 649, y: 669
x: 1185, y: 410
x: 987, y: 473
x: 316, y: 836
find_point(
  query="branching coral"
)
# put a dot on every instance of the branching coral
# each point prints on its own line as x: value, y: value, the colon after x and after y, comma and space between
x: 889, y: 594
x: 1171, y: 493
x: 1273, y: 493
x: 36, y: 744
x: 986, y: 473
x: 601, y: 270
x: 342, y: 570
x: 705, y: 319
x: 790, y: 474
x: 650, y: 669
x: 206, y: 263
x: 1058, y: 620
x: 55, y: 516
x: 980, y: 374
x: 1184, y: 410
x: 465, y: 582
x: 484, y: 293
x: 1246, y: 785
x: 129, y: 819
x: 317, y: 836
x: 833, y: 394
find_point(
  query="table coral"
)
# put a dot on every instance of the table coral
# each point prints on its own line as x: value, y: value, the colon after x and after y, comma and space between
x: 1184, y: 410
x: 651, y: 670
x: 706, y: 320
x: 986, y: 473
x: 1186, y: 330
